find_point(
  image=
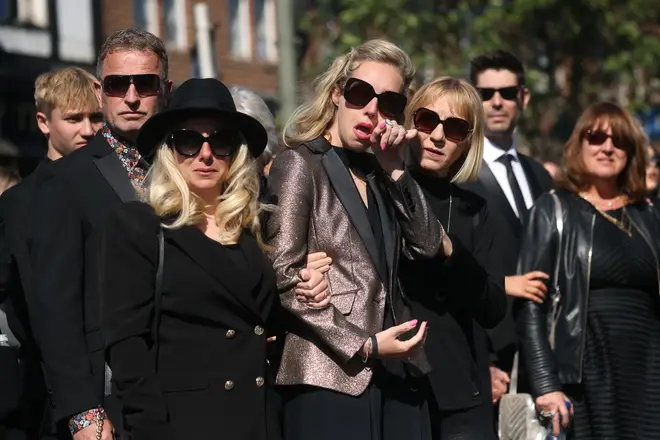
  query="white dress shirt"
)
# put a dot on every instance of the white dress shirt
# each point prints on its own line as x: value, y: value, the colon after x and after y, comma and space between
x: 492, y: 155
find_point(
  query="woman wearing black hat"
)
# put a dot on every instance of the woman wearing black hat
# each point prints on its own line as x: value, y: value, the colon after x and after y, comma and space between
x: 202, y: 371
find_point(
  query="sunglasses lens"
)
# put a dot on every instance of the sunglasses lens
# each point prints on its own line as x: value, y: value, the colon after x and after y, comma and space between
x: 358, y: 92
x: 596, y: 137
x: 116, y: 85
x: 225, y: 142
x: 509, y: 93
x: 486, y: 93
x: 392, y: 104
x: 147, y: 85
x: 426, y: 120
x: 186, y: 142
x: 456, y: 129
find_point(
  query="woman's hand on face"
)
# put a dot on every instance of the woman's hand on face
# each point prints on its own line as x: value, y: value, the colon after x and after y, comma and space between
x: 553, y: 405
x: 528, y: 286
x: 387, y: 139
x: 313, y: 289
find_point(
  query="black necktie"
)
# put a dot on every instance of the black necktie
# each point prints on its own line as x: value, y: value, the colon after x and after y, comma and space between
x: 515, y: 188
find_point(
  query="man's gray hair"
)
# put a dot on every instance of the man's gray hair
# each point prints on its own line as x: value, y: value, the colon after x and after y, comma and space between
x: 133, y: 40
x: 252, y: 104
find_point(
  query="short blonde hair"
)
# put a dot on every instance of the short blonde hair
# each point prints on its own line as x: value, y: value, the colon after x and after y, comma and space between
x: 313, y: 119
x: 239, y: 208
x: 465, y: 102
x: 71, y: 88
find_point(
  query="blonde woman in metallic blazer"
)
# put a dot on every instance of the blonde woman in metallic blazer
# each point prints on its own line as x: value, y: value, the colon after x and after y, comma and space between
x: 342, y: 362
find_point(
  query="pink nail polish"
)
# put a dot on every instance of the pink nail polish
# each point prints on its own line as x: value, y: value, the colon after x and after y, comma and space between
x: 413, y: 323
x: 382, y: 125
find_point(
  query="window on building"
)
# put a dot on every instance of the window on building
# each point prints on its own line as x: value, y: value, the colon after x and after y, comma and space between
x: 7, y: 11
x: 32, y: 12
x: 265, y: 29
x: 174, y: 17
x: 145, y: 15
x: 240, y: 38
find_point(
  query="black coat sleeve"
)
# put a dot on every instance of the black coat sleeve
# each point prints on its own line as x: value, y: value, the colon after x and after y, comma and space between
x: 538, y: 252
x: 128, y: 260
x: 58, y: 262
x: 475, y: 274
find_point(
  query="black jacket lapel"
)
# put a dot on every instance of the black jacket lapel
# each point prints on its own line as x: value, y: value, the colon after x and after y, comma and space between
x: 387, y: 223
x: 192, y: 242
x: 532, y: 179
x: 498, y: 197
x: 344, y: 187
x: 114, y: 172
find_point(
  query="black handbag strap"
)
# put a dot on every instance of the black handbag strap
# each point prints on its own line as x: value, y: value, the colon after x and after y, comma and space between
x: 158, y: 294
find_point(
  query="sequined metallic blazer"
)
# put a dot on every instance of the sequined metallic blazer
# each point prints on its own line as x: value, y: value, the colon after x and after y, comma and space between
x: 319, y: 209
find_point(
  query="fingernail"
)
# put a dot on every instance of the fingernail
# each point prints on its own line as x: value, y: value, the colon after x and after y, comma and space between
x: 382, y: 125
x: 413, y: 323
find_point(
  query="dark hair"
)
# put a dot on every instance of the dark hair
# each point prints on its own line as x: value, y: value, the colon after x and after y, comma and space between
x: 632, y: 179
x: 497, y: 60
x: 133, y: 40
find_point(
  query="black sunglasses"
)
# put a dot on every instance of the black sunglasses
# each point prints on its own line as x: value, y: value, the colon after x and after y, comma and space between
x: 456, y: 129
x: 508, y: 93
x: 360, y: 93
x: 598, y: 137
x: 188, y: 143
x: 117, y: 86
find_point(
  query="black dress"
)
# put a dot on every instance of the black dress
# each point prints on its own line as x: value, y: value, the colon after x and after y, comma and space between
x: 619, y: 397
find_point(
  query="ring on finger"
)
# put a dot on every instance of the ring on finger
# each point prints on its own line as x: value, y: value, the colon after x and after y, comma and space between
x: 388, y: 122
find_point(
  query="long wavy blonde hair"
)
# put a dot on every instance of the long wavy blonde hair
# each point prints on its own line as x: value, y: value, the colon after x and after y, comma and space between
x: 168, y: 193
x: 465, y: 102
x: 313, y: 119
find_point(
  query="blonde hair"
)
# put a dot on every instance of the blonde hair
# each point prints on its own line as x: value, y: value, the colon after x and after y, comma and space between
x: 71, y: 88
x: 464, y: 101
x: 239, y: 208
x: 313, y: 119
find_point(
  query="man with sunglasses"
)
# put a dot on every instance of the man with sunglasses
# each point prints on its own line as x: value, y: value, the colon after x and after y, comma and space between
x: 73, y: 200
x: 510, y: 182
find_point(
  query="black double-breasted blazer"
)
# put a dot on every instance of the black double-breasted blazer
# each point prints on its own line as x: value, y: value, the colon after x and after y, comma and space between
x: 209, y: 376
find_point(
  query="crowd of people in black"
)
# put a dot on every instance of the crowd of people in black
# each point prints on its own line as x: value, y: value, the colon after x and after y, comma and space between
x: 388, y: 270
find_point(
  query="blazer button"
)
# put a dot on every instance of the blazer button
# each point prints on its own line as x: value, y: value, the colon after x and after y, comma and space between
x: 230, y: 334
x: 260, y: 381
x: 476, y: 394
x: 258, y: 330
x: 229, y: 385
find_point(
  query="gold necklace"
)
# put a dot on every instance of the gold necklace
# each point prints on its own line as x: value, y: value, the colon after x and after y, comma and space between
x: 624, y: 224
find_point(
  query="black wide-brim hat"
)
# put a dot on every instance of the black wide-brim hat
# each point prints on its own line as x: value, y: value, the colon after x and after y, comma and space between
x: 200, y: 98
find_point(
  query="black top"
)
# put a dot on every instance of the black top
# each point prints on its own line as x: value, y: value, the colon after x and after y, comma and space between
x: 619, y: 260
x: 362, y: 164
x: 458, y: 296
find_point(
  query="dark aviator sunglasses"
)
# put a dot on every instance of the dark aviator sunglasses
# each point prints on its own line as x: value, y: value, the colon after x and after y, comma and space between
x: 507, y: 93
x: 360, y: 93
x: 188, y: 143
x: 117, y: 86
x: 455, y: 129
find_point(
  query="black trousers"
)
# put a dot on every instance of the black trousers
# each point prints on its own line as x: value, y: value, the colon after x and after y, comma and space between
x: 392, y: 408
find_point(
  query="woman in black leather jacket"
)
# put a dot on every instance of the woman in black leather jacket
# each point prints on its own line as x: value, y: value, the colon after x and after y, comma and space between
x: 596, y: 341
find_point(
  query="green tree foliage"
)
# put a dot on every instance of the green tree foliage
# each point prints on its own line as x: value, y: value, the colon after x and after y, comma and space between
x: 575, y: 51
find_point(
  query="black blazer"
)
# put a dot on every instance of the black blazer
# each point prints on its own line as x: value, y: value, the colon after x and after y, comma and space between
x: 208, y: 380
x: 15, y: 281
x: 71, y: 200
x: 508, y: 233
x: 458, y: 296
